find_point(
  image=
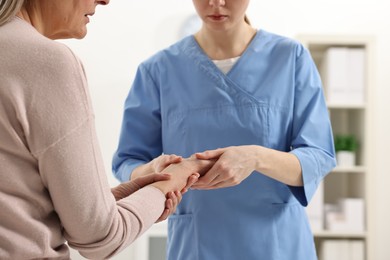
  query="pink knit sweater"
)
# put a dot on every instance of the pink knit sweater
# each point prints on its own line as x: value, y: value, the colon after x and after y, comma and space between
x: 52, y: 181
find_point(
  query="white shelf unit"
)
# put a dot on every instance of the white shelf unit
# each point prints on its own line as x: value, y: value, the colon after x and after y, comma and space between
x: 355, y: 119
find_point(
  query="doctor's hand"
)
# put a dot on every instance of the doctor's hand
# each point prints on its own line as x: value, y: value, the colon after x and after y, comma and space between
x: 163, y: 161
x: 174, y: 198
x: 158, y: 164
x: 233, y: 165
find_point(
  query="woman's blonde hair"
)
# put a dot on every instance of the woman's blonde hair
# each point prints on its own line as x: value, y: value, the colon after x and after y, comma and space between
x: 8, y: 9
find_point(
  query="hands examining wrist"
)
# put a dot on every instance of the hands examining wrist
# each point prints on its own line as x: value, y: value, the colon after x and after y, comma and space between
x: 174, y: 165
x: 156, y: 165
x: 176, y: 177
x: 219, y: 168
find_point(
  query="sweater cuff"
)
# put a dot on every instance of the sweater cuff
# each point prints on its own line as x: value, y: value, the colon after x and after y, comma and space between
x: 147, y: 204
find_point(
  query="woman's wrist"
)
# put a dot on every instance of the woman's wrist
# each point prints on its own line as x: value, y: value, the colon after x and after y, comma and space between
x: 180, y: 173
x: 141, y: 170
x: 196, y: 165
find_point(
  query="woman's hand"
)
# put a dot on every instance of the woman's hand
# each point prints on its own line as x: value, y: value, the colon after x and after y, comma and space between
x: 127, y: 188
x: 233, y: 165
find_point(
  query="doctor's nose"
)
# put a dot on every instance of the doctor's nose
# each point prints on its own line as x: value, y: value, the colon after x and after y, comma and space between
x: 216, y: 3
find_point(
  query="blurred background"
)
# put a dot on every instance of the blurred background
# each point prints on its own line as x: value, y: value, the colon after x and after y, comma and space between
x: 124, y: 33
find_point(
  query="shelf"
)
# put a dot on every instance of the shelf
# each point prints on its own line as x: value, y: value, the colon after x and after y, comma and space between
x: 349, y: 114
x: 346, y: 106
x: 339, y: 234
x: 317, y: 41
x: 353, y: 169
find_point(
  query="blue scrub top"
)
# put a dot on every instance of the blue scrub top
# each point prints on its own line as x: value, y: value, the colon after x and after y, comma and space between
x: 181, y: 103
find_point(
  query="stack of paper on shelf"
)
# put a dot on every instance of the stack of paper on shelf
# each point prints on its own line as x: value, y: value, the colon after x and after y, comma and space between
x: 343, y: 75
x: 349, y: 216
x: 341, y: 249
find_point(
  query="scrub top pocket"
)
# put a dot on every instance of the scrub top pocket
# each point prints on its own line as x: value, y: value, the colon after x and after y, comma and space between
x: 185, y: 247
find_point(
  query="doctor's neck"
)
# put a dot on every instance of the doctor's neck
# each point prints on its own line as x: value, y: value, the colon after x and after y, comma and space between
x: 225, y: 44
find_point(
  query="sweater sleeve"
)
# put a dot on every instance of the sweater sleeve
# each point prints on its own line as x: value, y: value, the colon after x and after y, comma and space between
x: 93, y: 222
x: 61, y: 134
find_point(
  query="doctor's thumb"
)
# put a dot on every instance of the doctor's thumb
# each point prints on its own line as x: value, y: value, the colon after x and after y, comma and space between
x: 211, y: 154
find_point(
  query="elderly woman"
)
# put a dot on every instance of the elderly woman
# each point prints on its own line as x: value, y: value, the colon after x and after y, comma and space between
x: 53, y: 186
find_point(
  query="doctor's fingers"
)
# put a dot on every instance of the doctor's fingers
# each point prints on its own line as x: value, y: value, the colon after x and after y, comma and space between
x: 164, y: 215
x: 221, y: 167
x: 175, y: 197
x: 221, y: 181
x: 222, y: 170
x: 191, y: 180
x: 163, y: 161
x: 173, y: 200
x: 210, y: 154
x: 206, y: 179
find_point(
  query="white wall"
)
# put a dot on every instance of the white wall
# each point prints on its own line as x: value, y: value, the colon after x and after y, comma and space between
x: 124, y: 33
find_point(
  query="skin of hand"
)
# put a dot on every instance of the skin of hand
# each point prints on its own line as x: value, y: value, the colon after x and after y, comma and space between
x: 179, y: 168
x: 180, y: 173
x: 158, y: 164
x: 173, y: 198
x: 235, y: 163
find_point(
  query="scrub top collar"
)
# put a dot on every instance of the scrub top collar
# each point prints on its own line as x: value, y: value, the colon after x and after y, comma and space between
x: 224, y: 81
x: 196, y: 53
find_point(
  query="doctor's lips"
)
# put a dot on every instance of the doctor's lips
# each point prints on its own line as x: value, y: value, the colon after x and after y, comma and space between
x: 217, y: 17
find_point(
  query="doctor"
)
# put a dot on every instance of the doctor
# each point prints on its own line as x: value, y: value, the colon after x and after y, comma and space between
x: 258, y: 97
